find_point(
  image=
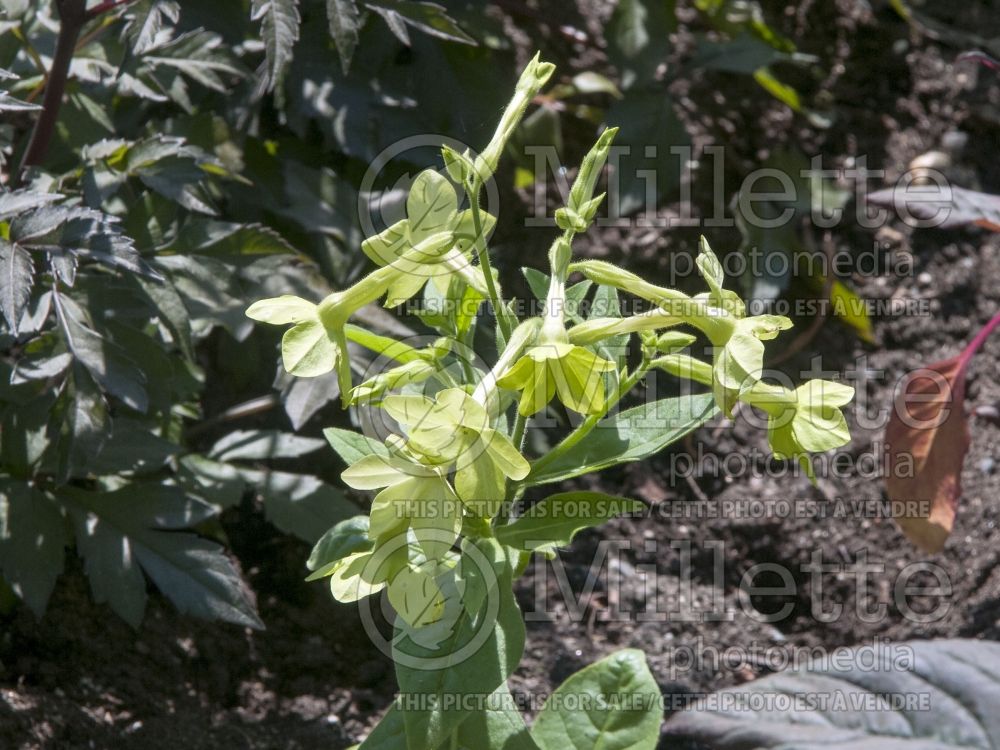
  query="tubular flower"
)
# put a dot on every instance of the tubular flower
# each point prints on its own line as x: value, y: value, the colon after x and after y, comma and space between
x: 454, y: 428
x: 317, y: 341
x: 572, y: 372
x: 553, y: 365
x: 799, y: 422
x: 806, y: 420
x: 414, y: 497
x: 431, y: 209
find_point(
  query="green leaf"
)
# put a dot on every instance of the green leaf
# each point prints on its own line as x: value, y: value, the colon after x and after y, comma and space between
x: 249, y: 445
x: 554, y: 521
x: 352, y: 446
x: 956, y: 680
x: 222, y: 238
x: 346, y: 538
x: 16, y: 278
x: 646, y: 120
x: 299, y: 504
x: 430, y: 18
x: 614, y: 349
x: 389, y: 733
x: 632, y: 435
x: 345, y: 25
x: 106, y: 362
x: 500, y: 725
x: 138, y: 528
x: 146, y: 19
x: 17, y: 202
x: 431, y: 670
x: 617, y: 707
x: 9, y: 104
x: 303, y: 397
x: 279, y: 27
x: 25, y: 434
x: 33, y: 538
x: 638, y: 37
x: 88, y: 422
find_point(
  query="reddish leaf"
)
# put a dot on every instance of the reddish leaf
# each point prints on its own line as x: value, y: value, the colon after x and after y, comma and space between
x: 927, y: 432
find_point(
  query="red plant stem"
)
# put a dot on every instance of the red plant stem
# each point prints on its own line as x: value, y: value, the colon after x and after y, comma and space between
x: 72, y: 16
x: 105, y: 7
x: 980, y: 337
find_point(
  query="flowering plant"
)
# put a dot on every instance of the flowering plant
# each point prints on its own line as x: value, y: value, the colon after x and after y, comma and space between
x: 443, y: 538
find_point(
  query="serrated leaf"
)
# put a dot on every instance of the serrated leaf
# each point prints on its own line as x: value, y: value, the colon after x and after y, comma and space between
x: 554, y: 521
x: 631, y: 435
x: 279, y: 27
x: 345, y: 26
x: 170, y: 308
x: 613, y: 704
x: 107, y: 363
x: 226, y: 238
x: 88, y: 424
x: 139, y: 525
x: 20, y: 201
x: 299, y: 504
x: 430, y: 18
x: 16, y: 279
x: 33, y: 538
x: 145, y: 21
x: 9, y: 103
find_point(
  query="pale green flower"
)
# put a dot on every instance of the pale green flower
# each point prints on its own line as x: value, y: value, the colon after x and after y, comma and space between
x: 454, y: 428
x: 414, y: 497
x: 572, y: 372
x: 739, y: 362
x: 809, y: 421
x: 431, y: 209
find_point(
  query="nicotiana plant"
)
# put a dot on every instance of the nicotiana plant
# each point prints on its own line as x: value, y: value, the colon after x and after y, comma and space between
x: 449, y: 529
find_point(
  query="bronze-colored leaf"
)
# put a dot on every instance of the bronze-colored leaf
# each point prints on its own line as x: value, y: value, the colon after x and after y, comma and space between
x: 926, y: 441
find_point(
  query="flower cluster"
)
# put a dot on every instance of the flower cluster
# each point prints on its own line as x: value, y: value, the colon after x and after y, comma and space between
x: 454, y: 459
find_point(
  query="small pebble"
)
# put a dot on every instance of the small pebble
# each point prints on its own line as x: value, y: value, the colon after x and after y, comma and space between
x: 987, y: 465
x: 987, y: 411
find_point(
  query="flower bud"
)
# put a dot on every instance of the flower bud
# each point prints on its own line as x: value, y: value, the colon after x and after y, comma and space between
x: 534, y: 76
x: 582, y: 191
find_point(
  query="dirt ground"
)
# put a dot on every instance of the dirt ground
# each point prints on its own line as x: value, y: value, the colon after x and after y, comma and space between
x: 81, y: 678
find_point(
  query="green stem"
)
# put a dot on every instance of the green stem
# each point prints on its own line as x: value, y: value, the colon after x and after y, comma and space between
x: 517, y: 436
x: 484, y: 259
x: 586, y: 427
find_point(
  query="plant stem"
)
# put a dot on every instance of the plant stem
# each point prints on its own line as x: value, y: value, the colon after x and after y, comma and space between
x: 72, y: 16
x: 980, y: 338
x: 586, y: 427
x: 484, y: 259
x: 517, y: 436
